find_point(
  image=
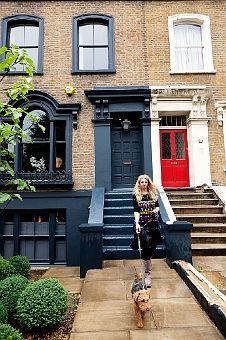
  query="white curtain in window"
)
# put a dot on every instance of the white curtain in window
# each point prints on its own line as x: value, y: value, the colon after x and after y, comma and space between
x: 188, y: 47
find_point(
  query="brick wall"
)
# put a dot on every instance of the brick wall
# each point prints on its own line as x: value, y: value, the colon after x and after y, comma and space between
x: 142, y: 58
x: 156, y: 14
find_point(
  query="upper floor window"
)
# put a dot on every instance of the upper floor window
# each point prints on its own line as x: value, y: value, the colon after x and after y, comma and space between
x: 190, y: 44
x: 26, y: 32
x: 93, y: 44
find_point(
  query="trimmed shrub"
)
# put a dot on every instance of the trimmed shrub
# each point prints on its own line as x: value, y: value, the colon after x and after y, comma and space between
x: 10, y: 290
x: 3, y: 313
x: 6, y: 269
x: 42, y: 304
x: 21, y: 264
x: 7, y: 332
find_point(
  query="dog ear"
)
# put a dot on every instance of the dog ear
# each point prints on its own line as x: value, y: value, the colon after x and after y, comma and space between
x: 136, y: 296
x: 136, y: 277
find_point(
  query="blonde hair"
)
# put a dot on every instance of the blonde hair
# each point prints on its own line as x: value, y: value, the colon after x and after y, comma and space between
x: 151, y: 189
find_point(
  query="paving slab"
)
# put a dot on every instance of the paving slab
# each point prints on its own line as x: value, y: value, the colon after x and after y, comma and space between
x: 213, y: 268
x: 209, y: 263
x: 124, y: 335
x: 106, y: 311
x: 157, y: 264
x: 111, y: 274
x: 69, y: 277
x: 62, y: 271
x: 196, y: 333
x: 102, y: 316
x: 178, y: 313
x: 103, y: 290
x: 113, y: 263
x: 157, y: 273
x: 71, y: 284
x: 165, y: 289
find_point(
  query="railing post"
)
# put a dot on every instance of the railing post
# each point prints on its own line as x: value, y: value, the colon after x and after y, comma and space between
x: 90, y: 247
x: 91, y: 237
x: 178, y: 242
x: 177, y: 234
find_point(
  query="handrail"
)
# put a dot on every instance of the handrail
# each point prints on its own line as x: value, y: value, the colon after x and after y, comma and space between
x: 176, y: 234
x: 96, y: 206
x: 167, y: 213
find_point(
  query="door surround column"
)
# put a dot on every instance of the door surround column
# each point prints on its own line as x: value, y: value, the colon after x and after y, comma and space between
x: 147, y: 150
x: 102, y: 137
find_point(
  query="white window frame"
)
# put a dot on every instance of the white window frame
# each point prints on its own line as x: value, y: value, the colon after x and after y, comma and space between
x: 204, y: 22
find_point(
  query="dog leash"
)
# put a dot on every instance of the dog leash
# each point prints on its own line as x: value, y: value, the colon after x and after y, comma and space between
x: 141, y: 262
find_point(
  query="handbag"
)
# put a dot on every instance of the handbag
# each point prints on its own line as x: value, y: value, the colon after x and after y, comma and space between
x: 145, y: 239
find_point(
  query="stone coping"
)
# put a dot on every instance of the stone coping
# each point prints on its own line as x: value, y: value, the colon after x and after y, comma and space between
x: 209, y: 297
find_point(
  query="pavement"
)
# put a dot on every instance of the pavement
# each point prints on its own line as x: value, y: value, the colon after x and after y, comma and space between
x: 105, y: 308
x: 213, y: 268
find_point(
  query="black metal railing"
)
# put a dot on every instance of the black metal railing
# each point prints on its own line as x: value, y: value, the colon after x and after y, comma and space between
x: 44, y: 178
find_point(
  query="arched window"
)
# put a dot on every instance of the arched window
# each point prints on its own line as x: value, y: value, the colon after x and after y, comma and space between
x: 26, y: 32
x: 36, y: 147
x: 190, y: 44
x: 45, y: 157
x: 48, y: 152
x: 93, y: 44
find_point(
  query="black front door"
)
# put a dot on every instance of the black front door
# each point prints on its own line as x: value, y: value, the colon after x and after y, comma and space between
x: 126, y: 156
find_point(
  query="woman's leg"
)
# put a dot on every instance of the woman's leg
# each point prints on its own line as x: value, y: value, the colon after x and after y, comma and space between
x: 146, y: 256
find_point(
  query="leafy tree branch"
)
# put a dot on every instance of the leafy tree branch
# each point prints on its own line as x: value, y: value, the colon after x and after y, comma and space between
x: 11, y: 118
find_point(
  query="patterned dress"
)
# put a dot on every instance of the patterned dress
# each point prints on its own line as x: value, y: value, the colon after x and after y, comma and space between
x: 148, y: 220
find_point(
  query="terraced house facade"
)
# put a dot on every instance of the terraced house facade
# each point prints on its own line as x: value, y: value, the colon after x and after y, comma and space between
x: 149, y: 97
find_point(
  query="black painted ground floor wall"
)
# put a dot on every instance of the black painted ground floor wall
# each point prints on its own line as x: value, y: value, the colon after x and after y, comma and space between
x: 44, y: 226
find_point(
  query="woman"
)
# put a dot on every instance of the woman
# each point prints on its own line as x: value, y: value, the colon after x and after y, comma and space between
x: 146, y: 208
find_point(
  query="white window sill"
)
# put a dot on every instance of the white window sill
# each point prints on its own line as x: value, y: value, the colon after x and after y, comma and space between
x: 193, y: 72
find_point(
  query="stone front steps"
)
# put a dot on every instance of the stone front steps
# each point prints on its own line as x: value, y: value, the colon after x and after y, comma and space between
x: 118, y: 227
x: 202, y: 208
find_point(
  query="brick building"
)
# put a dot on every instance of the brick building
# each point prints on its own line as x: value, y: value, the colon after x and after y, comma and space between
x: 150, y: 97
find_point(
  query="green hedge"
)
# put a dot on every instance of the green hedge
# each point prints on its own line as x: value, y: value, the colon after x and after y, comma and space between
x: 10, y: 290
x: 7, y: 332
x: 21, y: 264
x: 3, y: 313
x: 42, y: 304
x: 6, y: 269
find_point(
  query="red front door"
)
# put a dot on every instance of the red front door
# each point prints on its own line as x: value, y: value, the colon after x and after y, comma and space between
x: 174, y: 158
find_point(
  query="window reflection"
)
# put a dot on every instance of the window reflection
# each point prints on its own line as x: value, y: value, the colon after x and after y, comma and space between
x: 93, y: 46
x: 60, y: 130
x: 100, y: 58
x: 25, y: 37
x: 179, y: 142
x: 166, y: 146
x: 40, y: 153
x: 36, y: 158
x: 33, y: 130
x: 60, y: 156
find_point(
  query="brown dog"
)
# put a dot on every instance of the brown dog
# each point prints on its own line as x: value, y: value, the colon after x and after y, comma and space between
x: 141, y: 297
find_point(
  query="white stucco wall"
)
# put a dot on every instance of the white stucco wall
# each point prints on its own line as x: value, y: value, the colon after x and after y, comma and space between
x: 198, y: 151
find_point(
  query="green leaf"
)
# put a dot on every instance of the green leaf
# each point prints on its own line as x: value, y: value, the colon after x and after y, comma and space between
x: 3, y: 49
x: 18, y: 196
x: 42, y: 127
x: 32, y: 188
x: 4, y: 197
x: 11, y: 128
